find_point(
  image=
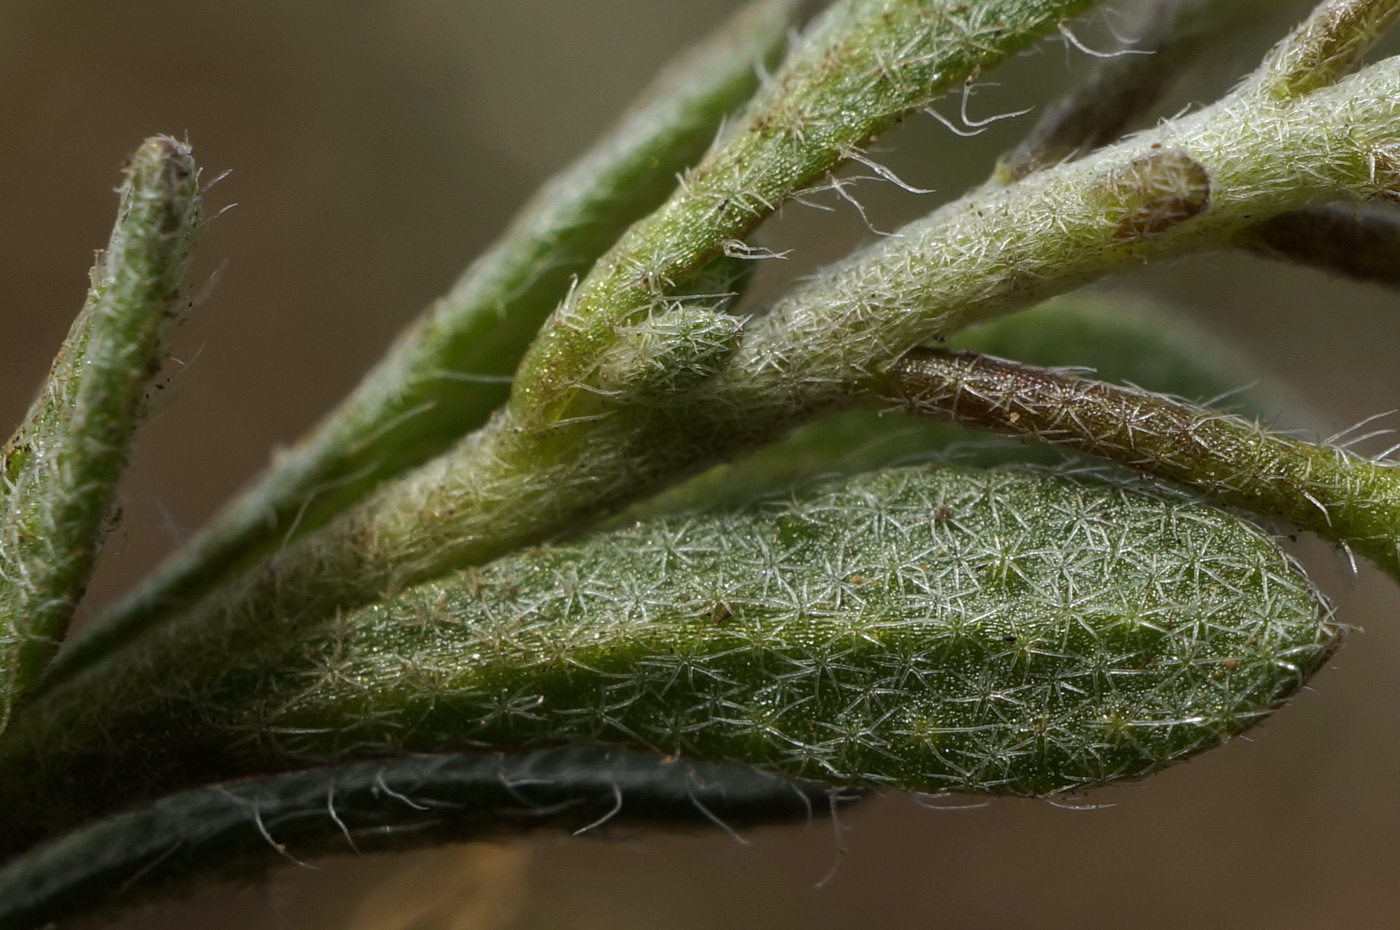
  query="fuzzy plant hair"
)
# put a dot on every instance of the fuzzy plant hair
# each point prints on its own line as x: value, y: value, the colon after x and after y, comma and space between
x: 604, y: 540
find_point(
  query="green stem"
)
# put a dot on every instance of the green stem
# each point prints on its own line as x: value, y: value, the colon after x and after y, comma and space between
x: 1190, y: 185
x: 1165, y: 38
x: 450, y: 369
x: 527, y: 475
x: 1326, y: 46
x: 865, y: 65
x: 1193, y: 184
x: 1168, y: 36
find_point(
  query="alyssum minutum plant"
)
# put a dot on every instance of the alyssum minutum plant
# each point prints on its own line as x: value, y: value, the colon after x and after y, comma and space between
x: 564, y: 555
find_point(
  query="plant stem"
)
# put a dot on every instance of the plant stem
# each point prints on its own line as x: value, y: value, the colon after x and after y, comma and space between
x: 1326, y: 46
x: 1191, y: 185
x: 865, y: 65
x: 529, y: 474
x: 451, y: 368
x: 1362, y: 244
x: 1164, y: 38
x: 1348, y: 500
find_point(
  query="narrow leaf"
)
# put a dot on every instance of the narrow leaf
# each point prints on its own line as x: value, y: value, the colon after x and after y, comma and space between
x: 60, y: 470
x: 452, y: 367
x: 240, y: 828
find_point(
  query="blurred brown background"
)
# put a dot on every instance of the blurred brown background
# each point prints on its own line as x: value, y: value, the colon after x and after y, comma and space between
x: 375, y: 147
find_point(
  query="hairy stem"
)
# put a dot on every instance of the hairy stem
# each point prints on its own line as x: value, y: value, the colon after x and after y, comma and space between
x: 1343, y: 498
x: 451, y: 368
x: 1193, y: 184
x: 865, y: 65
x: 1190, y: 186
x: 1326, y: 46
x: 1164, y: 38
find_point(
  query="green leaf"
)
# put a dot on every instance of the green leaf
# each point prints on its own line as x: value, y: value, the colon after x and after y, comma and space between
x: 932, y: 629
x: 60, y: 470
x: 239, y: 828
x: 450, y: 369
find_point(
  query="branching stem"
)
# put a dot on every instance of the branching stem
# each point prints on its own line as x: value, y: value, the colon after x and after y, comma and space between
x: 1193, y: 184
